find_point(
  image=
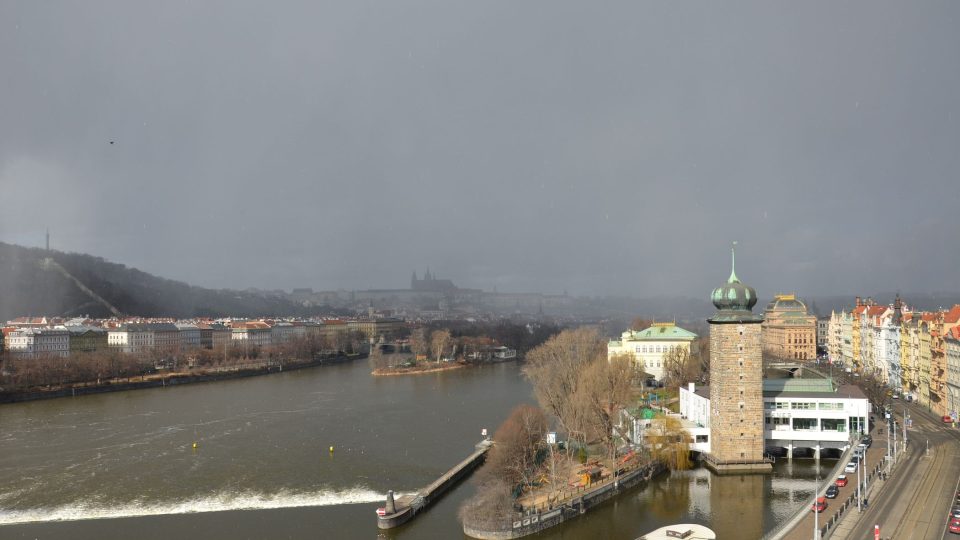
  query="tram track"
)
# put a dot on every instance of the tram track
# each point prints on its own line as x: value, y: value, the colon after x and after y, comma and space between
x: 913, y: 517
x: 929, y: 495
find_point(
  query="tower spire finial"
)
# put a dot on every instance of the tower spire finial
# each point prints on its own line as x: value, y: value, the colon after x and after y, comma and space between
x: 733, y: 264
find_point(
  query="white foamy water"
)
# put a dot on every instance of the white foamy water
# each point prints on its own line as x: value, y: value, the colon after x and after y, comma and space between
x: 214, y: 503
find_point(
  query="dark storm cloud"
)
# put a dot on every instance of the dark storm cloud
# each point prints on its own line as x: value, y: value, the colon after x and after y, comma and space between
x: 524, y: 145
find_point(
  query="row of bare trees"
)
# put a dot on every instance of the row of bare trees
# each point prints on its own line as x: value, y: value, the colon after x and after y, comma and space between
x: 94, y: 367
x: 576, y: 384
x: 515, y: 460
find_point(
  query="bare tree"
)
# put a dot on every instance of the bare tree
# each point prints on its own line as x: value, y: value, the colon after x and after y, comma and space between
x: 419, y: 342
x: 438, y: 342
x: 636, y: 374
x: 490, y: 508
x: 554, y: 368
x: 604, y: 389
x: 640, y: 323
x: 875, y: 390
x: 519, y: 440
x: 703, y: 349
x: 679, y: 366
x: 377, y: 359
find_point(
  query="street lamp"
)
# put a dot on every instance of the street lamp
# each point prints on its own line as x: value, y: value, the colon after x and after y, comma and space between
x: 816, y: 510
x: 859, y: 496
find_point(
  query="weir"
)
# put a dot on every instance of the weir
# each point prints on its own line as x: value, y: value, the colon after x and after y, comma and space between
x: 401, y: 510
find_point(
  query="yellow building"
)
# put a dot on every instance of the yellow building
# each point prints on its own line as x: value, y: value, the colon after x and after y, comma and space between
x: 908, y: 365
x: 924, y: 357
x: 789, y: 332
x: 648, y: 346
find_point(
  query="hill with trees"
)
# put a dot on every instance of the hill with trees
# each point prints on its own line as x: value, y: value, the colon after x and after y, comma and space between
x: 36, y: 282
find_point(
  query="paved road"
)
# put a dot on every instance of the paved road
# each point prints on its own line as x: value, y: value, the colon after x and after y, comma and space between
x: 914, y: 502
x: 804, y: 529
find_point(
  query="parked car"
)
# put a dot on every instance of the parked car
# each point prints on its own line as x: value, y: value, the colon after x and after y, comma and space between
x: 832, y: 492
x: 867, y: 440
x: 841, y: 481
x: 955, y: 526
x: 955, y: 513
x: 820, y: 505
x: 947, y: 419
x: 850, y: 468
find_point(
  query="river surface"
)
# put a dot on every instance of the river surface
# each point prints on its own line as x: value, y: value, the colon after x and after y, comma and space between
x: 122, y: 465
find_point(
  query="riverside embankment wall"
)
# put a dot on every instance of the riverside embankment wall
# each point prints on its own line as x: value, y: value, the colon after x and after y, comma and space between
x: 535, y: 522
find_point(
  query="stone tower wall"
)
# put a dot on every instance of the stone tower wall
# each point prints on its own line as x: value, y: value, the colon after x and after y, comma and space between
x: 736, y: 392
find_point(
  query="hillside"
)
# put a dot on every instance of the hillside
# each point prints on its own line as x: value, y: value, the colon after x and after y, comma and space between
x: 31, y: 286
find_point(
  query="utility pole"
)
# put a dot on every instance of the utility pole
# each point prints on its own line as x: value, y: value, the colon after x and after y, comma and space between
x: 859, y: 498
x: 893, y: 424
x: 889, y: 426
x: 816, y: 511
x: 905, y: 417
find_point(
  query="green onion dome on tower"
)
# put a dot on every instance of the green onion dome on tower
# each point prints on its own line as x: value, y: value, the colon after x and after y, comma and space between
x: 734, y: 300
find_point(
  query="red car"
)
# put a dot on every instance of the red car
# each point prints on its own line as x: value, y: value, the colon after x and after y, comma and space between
x: 947, y: 419
x: 820, y: 505
x: 841, y: 481
x: 955, y: 526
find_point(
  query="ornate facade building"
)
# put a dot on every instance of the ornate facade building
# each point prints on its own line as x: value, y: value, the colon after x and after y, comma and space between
x: 789, y: 331
x: 736, y: 381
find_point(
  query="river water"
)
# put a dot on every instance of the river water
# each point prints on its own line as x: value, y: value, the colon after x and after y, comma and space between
x: 123, y: 465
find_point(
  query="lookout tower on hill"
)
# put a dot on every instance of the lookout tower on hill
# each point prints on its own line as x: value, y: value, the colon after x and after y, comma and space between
x: 736, y: 380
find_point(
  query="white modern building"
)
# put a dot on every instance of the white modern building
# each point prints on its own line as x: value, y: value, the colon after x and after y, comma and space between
x: 798, y: 413
x: 647, y: 347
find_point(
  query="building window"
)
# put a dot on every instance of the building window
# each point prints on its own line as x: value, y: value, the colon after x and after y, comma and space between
x: 834, y: 424
x: 703, y: 438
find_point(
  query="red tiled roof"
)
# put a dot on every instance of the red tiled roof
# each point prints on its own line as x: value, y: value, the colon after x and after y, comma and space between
x: 952, y: 316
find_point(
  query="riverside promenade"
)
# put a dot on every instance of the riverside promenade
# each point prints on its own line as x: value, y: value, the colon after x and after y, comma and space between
x: 913, y: 501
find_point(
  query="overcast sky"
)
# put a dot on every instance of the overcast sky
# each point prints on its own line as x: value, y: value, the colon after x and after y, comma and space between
x: 613, y: 148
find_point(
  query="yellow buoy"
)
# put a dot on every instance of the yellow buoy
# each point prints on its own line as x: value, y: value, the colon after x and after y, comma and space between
x: 331, y: 449
x: 195, y: 445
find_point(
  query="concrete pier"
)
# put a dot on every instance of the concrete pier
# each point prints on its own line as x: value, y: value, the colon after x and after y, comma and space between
x: 401, y: 510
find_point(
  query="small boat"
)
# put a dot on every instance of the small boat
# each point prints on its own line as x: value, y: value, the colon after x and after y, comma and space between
x: 688, y: 531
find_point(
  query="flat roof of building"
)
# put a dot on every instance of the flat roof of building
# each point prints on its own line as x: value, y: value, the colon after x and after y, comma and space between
x: 777, y: 388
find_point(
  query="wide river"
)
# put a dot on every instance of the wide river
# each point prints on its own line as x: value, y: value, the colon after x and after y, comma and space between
x: 123, y: 465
